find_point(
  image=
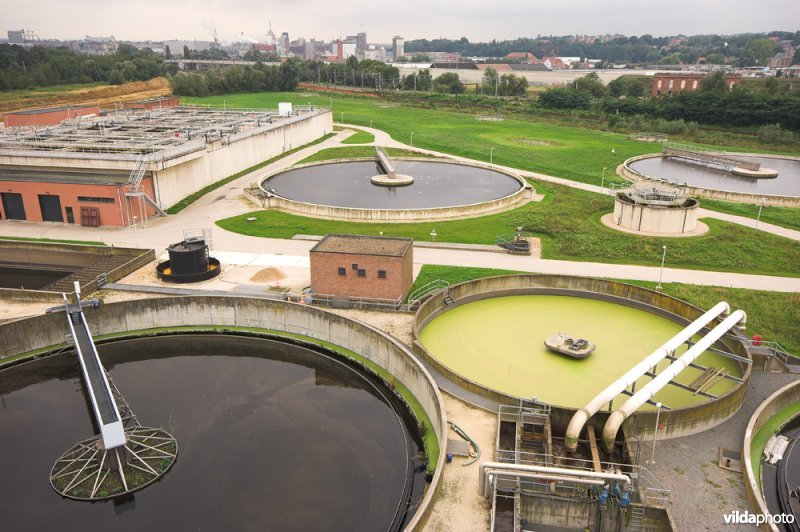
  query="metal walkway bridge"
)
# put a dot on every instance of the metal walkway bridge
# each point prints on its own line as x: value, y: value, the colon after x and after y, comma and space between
x: 125, y: 456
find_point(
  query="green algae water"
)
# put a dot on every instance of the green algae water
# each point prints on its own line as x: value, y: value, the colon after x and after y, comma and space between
x: 499, y: 343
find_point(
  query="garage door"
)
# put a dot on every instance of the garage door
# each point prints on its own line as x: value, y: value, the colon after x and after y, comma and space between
x: 12, y: 205
x: 51, y: 208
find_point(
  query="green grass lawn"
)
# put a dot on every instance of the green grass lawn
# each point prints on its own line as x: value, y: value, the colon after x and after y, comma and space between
x: 571, y: 152
x: 568, y: 223
x: 788, y: 217
x: 359, y: 137
x: 352, y: 152
x: 54, y: 241
x: 774, y: 315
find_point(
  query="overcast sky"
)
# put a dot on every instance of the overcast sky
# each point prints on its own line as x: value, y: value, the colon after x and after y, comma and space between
x: 478, y: 20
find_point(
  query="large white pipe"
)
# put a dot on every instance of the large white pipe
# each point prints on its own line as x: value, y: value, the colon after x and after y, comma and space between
x: 559, y: 471
x: 487, y: 483
x: 580, y: 417
x: 662, y: 379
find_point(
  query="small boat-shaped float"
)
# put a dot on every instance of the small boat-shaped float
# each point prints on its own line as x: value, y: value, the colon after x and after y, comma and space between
x: 572, y: 346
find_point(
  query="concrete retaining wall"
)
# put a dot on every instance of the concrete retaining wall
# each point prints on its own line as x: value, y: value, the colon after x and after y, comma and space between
x: 582, y: 515
x: 787, y: 396
x: 737, y: 197
x: 37, y: 333
x: 676, y: 423
x: 177, y: 178
x: 524, y: 194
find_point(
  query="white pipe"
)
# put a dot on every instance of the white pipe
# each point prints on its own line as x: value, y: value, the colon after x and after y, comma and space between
x: 662, y: 379
x: 540, y: 476
x: 628, y: 379
x: 574, y: 473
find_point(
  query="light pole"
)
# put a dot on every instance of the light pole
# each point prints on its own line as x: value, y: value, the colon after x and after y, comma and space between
x: 135, y: 231
x: 655, y: 434
x: 330, y: 99
x: 661, y: 271
x: 433, y: 234
x: 370, y: 124
x: 342, y: 121
x: 412, y: 139
x: 603, y: 179
x: 491, y: 155
x: 758, y: 218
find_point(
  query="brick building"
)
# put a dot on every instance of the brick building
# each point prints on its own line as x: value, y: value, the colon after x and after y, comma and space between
x: 669, y: 83
x: 362, y: 267
x: 48, y: 117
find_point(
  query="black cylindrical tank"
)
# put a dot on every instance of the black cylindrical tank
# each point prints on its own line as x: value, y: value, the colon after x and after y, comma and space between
x: 188, y: 257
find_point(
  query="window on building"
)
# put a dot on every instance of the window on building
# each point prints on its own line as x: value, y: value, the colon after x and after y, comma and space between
x: 342, y: 271
x: 381, y: 274
x: 90, y: 199
x: 354, y: 266
x: 362, y: 273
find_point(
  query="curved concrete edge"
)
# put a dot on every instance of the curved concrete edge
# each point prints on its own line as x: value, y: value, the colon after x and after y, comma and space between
x: 624, y: 170
x: 677, y: 423
x: 42, y: 332
x: 608, y: 220
x: 327, y: 212
x: 385, y: 180
x: 763, y: 173
x: 786, y: 396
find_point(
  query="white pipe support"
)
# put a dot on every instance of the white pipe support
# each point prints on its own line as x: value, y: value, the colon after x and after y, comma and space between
x: 580, y: 417
x: 560, y: 471
x: 630, y: 406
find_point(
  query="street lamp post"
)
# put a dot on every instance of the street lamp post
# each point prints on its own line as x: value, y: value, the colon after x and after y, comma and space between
x: 412, y: 139
x: 433, y: 234
x: 661, y: 271
x: 655, y: 434
x: 491, y: 155
x: 342, y: 121
x: 370, y: 124
x: 758, y: 218
x: 330, y: 99
x: 603, y: 179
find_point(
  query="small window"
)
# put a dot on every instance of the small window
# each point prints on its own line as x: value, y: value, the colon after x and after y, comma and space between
x: 381, y: 274
x: 362, y: 273
x: 342, y: 271
x: 354, y: 266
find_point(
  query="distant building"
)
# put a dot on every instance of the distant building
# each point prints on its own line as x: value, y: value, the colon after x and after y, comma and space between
x: 352, y: 266
x: 176, y: 47
x: 48, y: 117
x: 523, y: 57
x: 678, y: 82
x: 361, y: 41
x: 398, y: 47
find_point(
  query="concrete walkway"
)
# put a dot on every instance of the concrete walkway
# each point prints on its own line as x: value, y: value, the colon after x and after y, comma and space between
x: 228, y: 201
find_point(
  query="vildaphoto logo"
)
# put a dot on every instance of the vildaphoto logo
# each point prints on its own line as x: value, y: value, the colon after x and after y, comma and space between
x: 738, y: 517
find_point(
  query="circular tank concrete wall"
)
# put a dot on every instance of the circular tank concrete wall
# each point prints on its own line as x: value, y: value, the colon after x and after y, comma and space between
x: 655, y: 218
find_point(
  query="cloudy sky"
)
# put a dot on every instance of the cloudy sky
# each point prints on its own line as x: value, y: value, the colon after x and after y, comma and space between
x: 478, y: 20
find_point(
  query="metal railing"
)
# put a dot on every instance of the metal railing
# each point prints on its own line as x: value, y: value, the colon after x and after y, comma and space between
x: 350, y: 302
x: 415, y: 297
x: 775, y: 350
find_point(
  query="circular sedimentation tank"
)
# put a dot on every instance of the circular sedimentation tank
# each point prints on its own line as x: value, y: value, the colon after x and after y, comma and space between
x: 491, y: 341
x: 680, y: 172
x: 436, y: 189
x: 276, y: 433
x: 772, y: 459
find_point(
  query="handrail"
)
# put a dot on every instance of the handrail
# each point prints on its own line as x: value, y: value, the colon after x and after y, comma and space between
x: 425, y: 289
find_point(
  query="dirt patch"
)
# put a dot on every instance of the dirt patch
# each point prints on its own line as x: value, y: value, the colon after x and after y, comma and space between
x: 267, y: 275
x: 534, y: 142
x: 105, y: 96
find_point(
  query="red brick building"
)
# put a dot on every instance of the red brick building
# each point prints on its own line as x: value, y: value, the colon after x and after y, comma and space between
x: 667, y: 84
x: 48, y: 117
x: 362, y: 267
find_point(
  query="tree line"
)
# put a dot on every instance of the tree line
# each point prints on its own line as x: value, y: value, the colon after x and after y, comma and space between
x: 22, y: 68
x: 714, y: 103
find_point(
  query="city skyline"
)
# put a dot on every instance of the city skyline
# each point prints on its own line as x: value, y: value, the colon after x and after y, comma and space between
x: 477, y: 21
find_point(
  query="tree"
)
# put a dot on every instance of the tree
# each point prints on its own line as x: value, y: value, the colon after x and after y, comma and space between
x: 420, y: 58
x: 490, y: 81
x: 448, y: 83
x: 592, y: 84
x: 715, y: 83
x: 511, y: 85
x: 758, y: 52
x: 167, y: 52
x: 187, y: 54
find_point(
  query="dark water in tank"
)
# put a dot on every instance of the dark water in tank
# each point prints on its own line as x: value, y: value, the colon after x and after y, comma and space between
x: 677, y: 171
x: 28, y: 278
x: 271, y: 436
x: 773, y: 475
x: 435, y: 185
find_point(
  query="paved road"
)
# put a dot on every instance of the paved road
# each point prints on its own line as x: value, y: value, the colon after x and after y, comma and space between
x: 228, y: 201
